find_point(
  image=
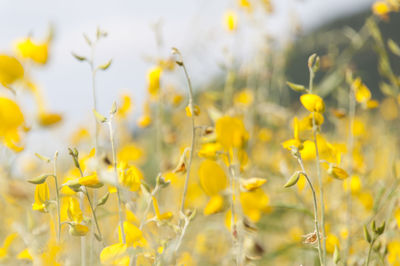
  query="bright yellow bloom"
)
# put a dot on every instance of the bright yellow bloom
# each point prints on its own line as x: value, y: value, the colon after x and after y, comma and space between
x: 134, y: 236
x: 214, y: 205
x: 42, y: 196
x: 48, y: 119
x: 4, y: 250
x: 113, y: 253
x: 153, y: 79
x: 244, y: 98
x: 130, y: 176
x: 125, y: 107
x: 338, y: 172
x: 130, y: 153
x: 78, y: 229
x: 353, y: 183
x: 210, y: 150
x: 254, y: 203
x: 196, y: 110
x: 37, y: 52
x: 312, y: 102
x: 253, y: 183
x: 11, y: 122
x: 163, y: 216
x: 11, y: 70
x: 381, y: 9
x: 74, y: 211
x: 231, y: 132
x: 212, y: 177
x: 230, y: 20
x: 25, y: 255
x: 362, y: 93
x: 91, y: 181
x: 394, y: 252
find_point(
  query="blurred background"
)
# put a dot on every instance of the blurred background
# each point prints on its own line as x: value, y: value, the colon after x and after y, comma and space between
x: 195, y: 27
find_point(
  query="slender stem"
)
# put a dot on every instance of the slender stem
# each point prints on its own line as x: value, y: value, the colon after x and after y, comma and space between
x: 369, y: 251
x: 114, y: 155
x: 57, y: 197
x: 235, y: 195
x: 191, y: 107
x: 299, y: 159
x: 352, y: 112
x: 93, y: 213
x: 179, y: 243
x: 321, y: 192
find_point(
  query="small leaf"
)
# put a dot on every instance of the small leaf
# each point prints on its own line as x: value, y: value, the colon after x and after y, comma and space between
x: 78, y: 57
x: 99, y: 117
x: 39, y: 180
x: 296, y: 87
x: 103, y: 199
x: 293, y: 179
x: 43, y: 158
x: 336, y: 255
x: 113, y: 108
x: 393, y: 47
x: 106, y: 65
x: 88, y: 41
x: 367, y: 235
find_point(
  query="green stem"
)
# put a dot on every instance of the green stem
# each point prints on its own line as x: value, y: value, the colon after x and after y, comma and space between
x: 369, y: 251
x: 114, y: 154
x: 57, y: 198
x: 316, y: 225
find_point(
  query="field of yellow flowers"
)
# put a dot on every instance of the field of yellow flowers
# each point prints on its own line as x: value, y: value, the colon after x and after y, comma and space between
x: 255, y: 170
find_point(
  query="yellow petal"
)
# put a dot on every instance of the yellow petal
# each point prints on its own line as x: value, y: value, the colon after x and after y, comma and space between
x: 214, y: 205
x: 212, y: 177
x: 312, y: 103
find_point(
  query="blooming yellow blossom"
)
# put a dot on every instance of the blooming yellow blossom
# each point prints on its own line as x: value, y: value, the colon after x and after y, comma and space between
x: 214, y: 205
x: 394, y: 252
x: 230, y: 20
x: 153, y: 79
x: 74, y: 211
x: 11, y: 122
x: 212, y: 177
x: 11, y: 70
x: 130, y: 176
x: 37, y: 52
x: 312, y: 102
x: 91, y: 181
x: 134, y: 236
x: 113, y: 253
x: 231, y: 132
x: 254, y: 203
x: 42, y: 196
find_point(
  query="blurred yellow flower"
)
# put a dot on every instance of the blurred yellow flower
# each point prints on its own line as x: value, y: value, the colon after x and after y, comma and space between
x: 153, y: 79
x: 394, y: 252
x: 11, y: 121
x: 37, y: 52
x: 230, y: 20
x: 214, y: 205
x: 134, y: 236
x: 74, y: 211
x: 91, y: 181
x: 254, y: 203
x: 42, y: 196
x: 244, y: 98
x: 112, y: 254
x: 231, y: 132
x: 11, y: 70
x: 130, y: 176
x: 48, y: 119
x: 212, y: 177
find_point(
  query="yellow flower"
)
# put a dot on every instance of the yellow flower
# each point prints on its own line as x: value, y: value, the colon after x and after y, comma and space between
x: 78, y: 229
x: 214, y: 205
x: 130, y: 176
x: 394, y: 252
x: 11, y: 70
x: 25, y: 255
x: 74, y: 211
x: 48, y: 119
x: 338, y: 172
x: 42, y: 196
x: 163, y: 216
x: 230, y: 20
x: 362, y: 93
x: 144, y: 121
x: 125, y: 107
x: 134, y: 236
x: 254, y: 203
x: 312, y: 102
x: 331, y: 242
x: 381, y: 9
x: 130, y: 153
x: 231, y: 132
x: 4, y: 250
x: 296, y: 139
x: 11, y: 121
x: 153, y: 79
x: 353, y: 183
x: 210, y: 150
x: 212, y: 177
x: 244, y: 98
x: 113, y: 253
x: 253, y: 183
x: 91, y: 181
x: 37, y: 52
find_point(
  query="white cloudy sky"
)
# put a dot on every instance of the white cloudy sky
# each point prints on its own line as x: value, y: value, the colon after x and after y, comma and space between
x: 192, y: 25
